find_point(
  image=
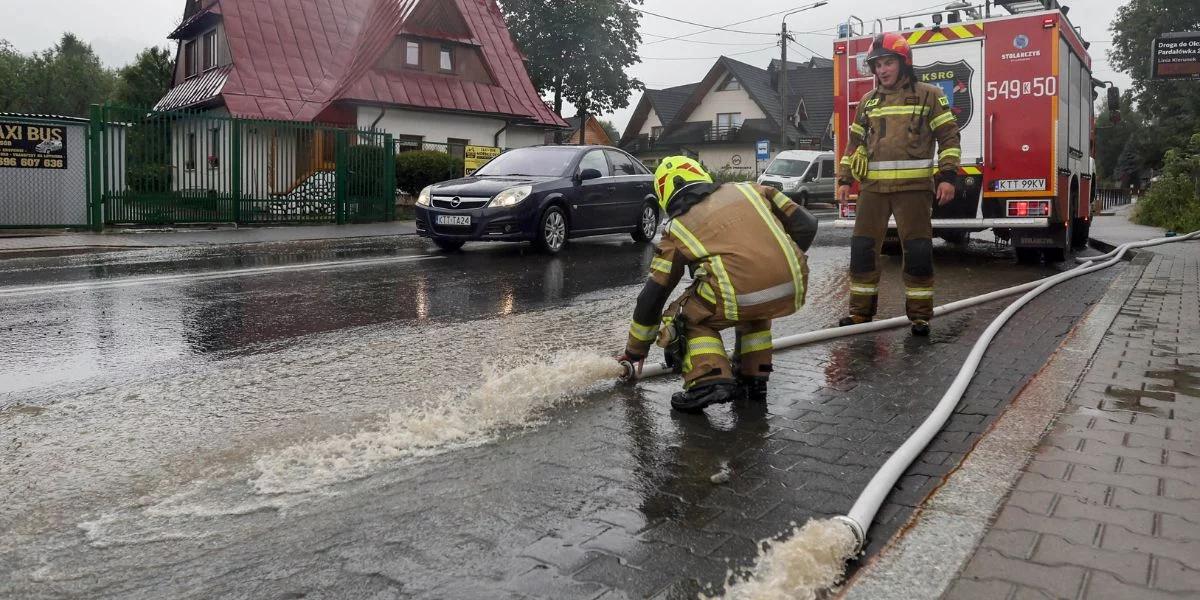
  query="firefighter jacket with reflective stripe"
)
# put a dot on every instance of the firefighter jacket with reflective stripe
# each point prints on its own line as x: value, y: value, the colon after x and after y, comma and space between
x: 740, y: 242
x: 897, y: 129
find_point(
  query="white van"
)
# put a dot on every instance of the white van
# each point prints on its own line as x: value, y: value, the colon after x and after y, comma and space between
x: 804, y: 175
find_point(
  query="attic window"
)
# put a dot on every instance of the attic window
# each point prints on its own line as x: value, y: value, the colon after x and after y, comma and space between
x: 189, y: 58
x: 412, y: 53
x: 730, y: 84
x: 446, y: 59
x: 210, y: 49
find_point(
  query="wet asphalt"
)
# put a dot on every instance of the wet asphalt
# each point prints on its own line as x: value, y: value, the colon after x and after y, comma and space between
x: 141, y: 390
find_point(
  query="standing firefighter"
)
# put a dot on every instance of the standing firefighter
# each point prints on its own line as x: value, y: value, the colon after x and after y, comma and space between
x: 745, y: 247
x: 891, y: 152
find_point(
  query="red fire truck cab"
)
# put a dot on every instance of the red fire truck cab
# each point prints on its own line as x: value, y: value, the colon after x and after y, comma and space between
x: 1021, y: 88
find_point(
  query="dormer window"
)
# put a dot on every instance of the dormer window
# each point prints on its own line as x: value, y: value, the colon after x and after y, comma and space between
x: 189, y: 58
x: 412, y: 54
x: 210, y: 49
x: 446, y: 59
x: 730, y: 84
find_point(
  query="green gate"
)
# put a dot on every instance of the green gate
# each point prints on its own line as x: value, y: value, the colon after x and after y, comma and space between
x: 153, y: 167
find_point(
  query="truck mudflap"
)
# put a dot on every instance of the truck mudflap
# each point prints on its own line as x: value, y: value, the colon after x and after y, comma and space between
x: 980, y: 224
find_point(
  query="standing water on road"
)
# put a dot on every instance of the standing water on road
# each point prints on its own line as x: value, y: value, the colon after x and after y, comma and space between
x: 509, y: 397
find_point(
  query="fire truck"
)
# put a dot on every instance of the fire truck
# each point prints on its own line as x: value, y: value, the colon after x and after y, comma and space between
x: 1021, y: 87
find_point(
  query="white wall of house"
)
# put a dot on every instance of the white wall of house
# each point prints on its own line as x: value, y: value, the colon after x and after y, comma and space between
x: 439, y: 127
x: 732, y: 101
x: 652, y: 121
x: 721, y: 156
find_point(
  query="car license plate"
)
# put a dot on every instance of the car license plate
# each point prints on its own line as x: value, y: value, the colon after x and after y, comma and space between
x: 454, y: 220
x: 1020, y: 185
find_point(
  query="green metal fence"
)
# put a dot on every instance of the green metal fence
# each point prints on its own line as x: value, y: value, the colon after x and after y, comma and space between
x: 151, y: 167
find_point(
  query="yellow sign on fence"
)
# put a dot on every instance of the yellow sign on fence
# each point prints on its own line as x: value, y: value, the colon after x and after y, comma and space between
x: 475, y: 156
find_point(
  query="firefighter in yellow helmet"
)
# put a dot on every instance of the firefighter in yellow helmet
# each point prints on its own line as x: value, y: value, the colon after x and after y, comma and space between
x: 891, y: 152
x: 744, y: 246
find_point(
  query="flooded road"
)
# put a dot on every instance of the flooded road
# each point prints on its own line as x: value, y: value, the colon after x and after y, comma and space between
x: 372, y: 418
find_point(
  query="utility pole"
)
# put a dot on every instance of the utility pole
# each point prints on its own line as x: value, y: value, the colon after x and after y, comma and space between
x: 784, y: 38
x: 783, y: 87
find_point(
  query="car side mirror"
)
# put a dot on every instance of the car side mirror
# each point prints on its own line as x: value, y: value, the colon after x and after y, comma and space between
x: 587, y: 174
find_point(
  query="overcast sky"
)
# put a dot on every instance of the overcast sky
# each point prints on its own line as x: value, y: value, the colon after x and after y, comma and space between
x: 118, y: 30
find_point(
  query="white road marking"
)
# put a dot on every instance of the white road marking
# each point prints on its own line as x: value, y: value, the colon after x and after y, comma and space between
x: 28, y: 290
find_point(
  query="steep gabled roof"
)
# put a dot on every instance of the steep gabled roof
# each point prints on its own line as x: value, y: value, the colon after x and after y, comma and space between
x: 293, y: 60
x: 815, y: 87
x: 665, y: 103
x: 755, y: 82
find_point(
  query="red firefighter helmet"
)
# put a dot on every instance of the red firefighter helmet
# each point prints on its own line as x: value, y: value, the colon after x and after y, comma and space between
x: 892, y: 44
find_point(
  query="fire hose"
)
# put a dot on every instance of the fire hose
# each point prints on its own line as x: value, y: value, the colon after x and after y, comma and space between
x: 862, y: 513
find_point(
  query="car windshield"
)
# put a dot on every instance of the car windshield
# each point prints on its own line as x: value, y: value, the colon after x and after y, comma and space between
x: 787, y: 168
x: 536, y: 162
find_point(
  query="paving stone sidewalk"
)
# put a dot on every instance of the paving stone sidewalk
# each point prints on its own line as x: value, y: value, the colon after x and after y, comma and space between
x: 1109, y: 504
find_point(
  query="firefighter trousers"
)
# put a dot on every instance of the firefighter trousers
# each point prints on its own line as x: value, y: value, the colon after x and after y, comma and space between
x: 705, y: 359
x: 913, y: 212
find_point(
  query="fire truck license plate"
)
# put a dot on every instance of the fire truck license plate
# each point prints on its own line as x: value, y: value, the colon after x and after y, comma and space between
x: 1020, y: 185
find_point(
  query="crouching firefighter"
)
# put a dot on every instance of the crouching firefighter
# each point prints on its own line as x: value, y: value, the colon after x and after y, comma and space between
x: 891, y: 152
x: 744, y: 247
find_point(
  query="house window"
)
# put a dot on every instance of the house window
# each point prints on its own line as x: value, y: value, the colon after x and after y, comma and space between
x: 728, y: 121
x: 457, y: 147
x: 189, y: 58
x: 210, y: 49
x: 730, y: 84
x: 214, y: 148
x: 412, y: 53
x: 656, y: 132
x: 446, y: 59
x: 189, y: 152
x: 407, y: 143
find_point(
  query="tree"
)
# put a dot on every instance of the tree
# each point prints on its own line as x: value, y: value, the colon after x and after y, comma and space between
x: 1172, y: 108
x: 12, y: 74
x: 145, y: 81
x: 66, y: 79
x: 610, y: 129
x: 1112, y: 139
x: 578, y: 50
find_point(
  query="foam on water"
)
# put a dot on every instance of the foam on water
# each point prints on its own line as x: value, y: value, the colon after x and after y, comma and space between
x: 507, y: 397
x: 811, y: 560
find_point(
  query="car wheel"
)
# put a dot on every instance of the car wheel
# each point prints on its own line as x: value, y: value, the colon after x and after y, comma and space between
x: 448, y: 244
x: 804, y: 199
x: 552, y: 231
x: 647, y: 223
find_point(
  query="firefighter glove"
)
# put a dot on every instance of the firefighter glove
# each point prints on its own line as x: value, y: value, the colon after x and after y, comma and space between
x: 858, y: 163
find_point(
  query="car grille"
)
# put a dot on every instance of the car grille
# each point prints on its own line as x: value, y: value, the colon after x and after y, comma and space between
x: 774, y: 184
x: 464, y: 203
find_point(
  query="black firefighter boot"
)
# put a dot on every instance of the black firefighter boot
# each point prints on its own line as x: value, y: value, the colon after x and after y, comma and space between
x: 702, y: 394
x: 755, y: 388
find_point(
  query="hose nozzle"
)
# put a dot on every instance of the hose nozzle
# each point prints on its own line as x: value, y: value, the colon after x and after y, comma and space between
x: 860, y: 536
x: 627, y: 371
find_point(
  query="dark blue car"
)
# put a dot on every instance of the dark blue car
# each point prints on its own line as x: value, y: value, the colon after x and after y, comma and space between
x: 542, y: 194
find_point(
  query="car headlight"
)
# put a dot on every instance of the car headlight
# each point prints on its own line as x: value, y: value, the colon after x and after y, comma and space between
x: 423, y: 197
x: 512, y: 196
x: 791, y: 186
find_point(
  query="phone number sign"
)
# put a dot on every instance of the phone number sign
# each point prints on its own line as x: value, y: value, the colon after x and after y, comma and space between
x: 26, y: 146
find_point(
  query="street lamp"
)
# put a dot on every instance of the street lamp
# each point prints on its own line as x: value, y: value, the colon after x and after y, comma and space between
x: 783, y: 69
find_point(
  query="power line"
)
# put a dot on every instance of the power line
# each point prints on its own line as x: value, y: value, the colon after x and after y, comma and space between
x: 666, y: 38
x: 770, y: 47
x: 706, y: 27
x: 722, y: 27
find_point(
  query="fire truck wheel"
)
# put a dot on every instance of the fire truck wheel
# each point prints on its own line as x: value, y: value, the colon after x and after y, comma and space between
x: 892, y: 248
x: 1079, y: 233
x: 958, y: 238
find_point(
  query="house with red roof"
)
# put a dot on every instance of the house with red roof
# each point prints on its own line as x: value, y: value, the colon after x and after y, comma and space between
x: 440, y: 71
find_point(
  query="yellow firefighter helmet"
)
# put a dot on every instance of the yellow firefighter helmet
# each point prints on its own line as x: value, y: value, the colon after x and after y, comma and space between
x: 675, y: 172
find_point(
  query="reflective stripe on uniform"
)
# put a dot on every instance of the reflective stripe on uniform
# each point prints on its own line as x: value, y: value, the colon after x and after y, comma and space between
x: 706, y: 292
x: 948, y: 152
x: 705, y: 345
x: 857, y: 129
x: 892, y: 165
x: 887, y: 174
x: 783, y: 290
x: 785, y: 243
x: 780, y: 200
x: 645, y: 333
x: 846, y: 160
x: 919, y: 293
x: 887, y: 111
x: 864, y: 290
x: 661, y: 265
x: 941, y: 119
x: 728, y: 294
x: 756, y: 342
